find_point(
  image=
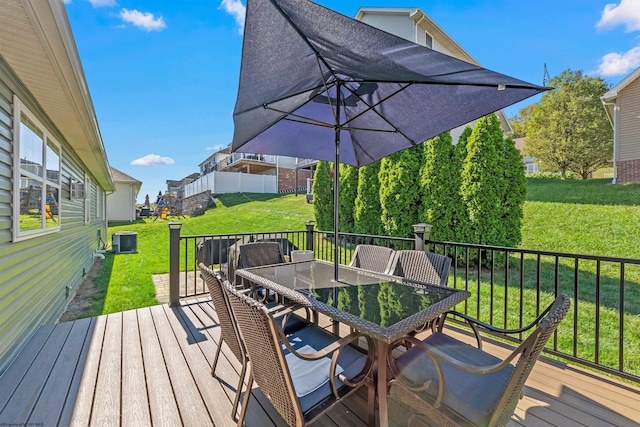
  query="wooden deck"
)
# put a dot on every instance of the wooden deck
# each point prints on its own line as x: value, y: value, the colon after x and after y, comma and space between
x: 152, y: 367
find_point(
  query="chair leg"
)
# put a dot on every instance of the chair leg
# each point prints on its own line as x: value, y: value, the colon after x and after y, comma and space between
x: 215, y: 359
x: 243, y: 371
x: 245, y: 402
x: 371, y: 403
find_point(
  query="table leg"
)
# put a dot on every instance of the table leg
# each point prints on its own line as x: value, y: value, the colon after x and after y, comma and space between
x: 383, y: 351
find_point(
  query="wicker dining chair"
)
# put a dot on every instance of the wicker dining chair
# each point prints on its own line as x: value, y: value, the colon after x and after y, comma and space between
x: 229, y: 333
x: 304, y: 374
x: 454, y: 384
x: 420, y: 266
x: 257, y: 254
x: 372, y: 258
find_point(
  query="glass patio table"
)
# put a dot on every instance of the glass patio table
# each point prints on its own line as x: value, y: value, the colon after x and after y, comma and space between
x: 382, y: 306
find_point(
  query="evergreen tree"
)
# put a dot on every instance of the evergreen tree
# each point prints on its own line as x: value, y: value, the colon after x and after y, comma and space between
x: 515, y: 193
x: 348, y: 192
x: 482, y: 186
x: 400, y: 191
x: 323, y: 196
x: 440, y: 194
x: 366, y: 215
x: 461, y: 223
x: 463, y: 141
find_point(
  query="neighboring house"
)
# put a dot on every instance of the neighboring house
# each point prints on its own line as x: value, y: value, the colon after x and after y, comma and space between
x: 215, y: 161
x: 54, y: 172
x: 226, y: 172
x: 176, y: 188
x: 622, y: 104
x: 530, y: 163
x: 121, y: 204
x: 416, y: 26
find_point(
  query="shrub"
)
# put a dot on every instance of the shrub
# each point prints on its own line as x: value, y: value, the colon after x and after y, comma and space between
x: 440, y: 185
x: 482, y: 185
x: 400, y: 191
x: 515, y: 193
x: 366, y: 215
x: 323, y: 196
x: 348, y: 191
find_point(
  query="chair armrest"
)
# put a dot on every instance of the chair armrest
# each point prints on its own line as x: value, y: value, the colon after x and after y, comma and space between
x: 475, y: 323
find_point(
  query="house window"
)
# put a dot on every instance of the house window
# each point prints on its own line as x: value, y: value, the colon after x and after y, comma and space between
x: 429, y: 41
x: 37, y: 176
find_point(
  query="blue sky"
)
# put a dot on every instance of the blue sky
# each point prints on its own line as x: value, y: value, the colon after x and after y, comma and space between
x: 163, y: 75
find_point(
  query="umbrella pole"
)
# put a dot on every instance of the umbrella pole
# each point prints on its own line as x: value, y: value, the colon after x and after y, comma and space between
x: 336, y: 188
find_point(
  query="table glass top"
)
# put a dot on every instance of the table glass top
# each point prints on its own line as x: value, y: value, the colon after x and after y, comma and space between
x: 383, y: 300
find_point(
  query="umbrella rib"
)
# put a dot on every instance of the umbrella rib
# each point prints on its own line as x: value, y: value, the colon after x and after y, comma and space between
x: 307, y: 121
x: 303, y: 119
x: 326, y: 88
x: 372, y: 108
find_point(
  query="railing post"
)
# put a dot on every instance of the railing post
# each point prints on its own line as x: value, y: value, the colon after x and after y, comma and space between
x: 310, y: 226
x: 421, y: 232
x: 174, y: 263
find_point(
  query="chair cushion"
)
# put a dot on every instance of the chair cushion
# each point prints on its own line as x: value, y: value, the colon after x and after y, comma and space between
x: 473, y: 396
x: 311, y: 378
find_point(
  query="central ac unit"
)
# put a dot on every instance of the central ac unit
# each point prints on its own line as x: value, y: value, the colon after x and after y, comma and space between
x: 124, y: 242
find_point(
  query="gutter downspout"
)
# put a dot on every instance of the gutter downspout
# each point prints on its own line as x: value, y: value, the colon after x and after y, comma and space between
x: 615, y: 140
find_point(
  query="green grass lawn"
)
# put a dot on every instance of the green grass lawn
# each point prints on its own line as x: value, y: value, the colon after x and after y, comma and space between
x: 125, y: 280
x: 587, y: 217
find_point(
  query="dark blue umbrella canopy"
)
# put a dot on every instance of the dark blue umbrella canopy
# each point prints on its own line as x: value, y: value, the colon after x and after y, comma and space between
x: 394, y: 94
x: 317, y: 84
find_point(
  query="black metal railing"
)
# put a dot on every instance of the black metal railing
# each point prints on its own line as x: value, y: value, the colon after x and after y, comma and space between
x: 509, y: 287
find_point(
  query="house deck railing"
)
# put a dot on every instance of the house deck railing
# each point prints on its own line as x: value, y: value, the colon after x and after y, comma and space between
x: 509, y: 287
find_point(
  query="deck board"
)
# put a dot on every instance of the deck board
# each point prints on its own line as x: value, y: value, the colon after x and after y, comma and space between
x: 50, y: 404
x: 152, y: 366
x: 26, y: 394
x: 81, y: 415
x: 164, y: 408
x: 135, y: 410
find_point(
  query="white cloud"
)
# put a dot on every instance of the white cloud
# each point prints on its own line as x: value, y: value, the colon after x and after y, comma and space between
x: 67, y: 1
x: 215, y: 147
x: 102, y: 3
x: 146, y: 21
x: 617, y: 64
x: 626, y: 13
x: 152, y: 159
x: 236, y: 9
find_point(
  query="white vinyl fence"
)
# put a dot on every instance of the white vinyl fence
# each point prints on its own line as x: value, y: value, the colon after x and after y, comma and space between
x: 232, y: 182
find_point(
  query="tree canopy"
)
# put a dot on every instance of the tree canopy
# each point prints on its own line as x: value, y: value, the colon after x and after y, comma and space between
x: 568, y: 130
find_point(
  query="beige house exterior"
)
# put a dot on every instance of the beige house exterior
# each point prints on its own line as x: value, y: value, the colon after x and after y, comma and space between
x: 416, y: 26
x: 622, y: 104
x: 121, y: 204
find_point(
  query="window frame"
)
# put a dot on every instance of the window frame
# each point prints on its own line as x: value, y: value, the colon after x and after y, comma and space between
x: 48, y: 140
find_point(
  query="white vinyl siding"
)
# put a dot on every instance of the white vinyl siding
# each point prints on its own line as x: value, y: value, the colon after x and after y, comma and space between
x: 399, y: 24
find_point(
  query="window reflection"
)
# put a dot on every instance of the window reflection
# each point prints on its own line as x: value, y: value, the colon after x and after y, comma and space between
x: 53, y: 164
x: 51, y: 207
x: 31, y: 147
x: 30, y: 204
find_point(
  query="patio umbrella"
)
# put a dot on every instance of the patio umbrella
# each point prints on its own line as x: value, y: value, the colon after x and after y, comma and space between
x: 317, y: 84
